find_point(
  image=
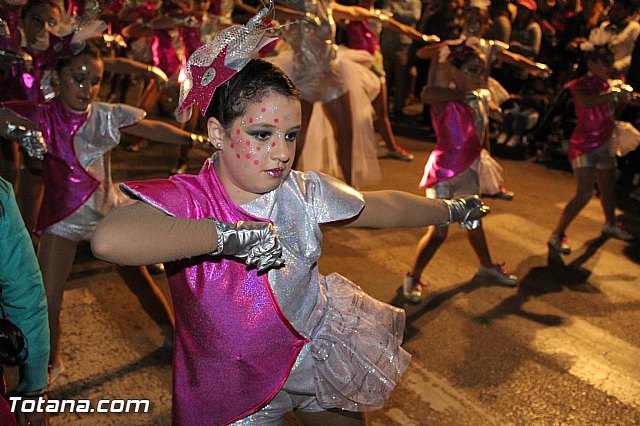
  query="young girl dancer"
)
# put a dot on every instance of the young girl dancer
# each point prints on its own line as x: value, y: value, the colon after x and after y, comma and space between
x: 460, y: 118
x: 256, y: 341
x: 594, y: 98
x: 79, y: 133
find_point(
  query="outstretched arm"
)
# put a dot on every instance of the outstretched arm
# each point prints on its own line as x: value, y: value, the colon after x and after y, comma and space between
x: 523, y: 62
x: 398, y: 209
x: 15, y: 128
x: 160, y: 131
x: 140, y: 234
x: 122, y: 65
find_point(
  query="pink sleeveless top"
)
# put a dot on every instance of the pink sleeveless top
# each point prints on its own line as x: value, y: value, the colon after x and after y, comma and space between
x: 67, y: 185
x: 594, y: 125
x: 458, y: 144
x: 234, y: 348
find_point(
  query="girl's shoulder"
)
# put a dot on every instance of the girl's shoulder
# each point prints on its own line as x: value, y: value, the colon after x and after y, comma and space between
x: 122, y: 115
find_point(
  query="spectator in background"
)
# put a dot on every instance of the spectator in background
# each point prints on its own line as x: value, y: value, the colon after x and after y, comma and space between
x: 624, y: 32
x: 526, y: 36
x: 395, y: 50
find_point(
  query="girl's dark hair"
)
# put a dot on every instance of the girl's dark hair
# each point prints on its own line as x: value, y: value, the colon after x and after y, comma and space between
x: 253, y: 83
x: 90, y: 49
x: 33, y: 3
x: 13, y: 344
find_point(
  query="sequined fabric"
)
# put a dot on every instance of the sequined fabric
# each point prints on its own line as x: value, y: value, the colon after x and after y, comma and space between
x: 356, y: 348
x: 92, y: 145
x: 314, y: 69
x: 354, y: 356
x: 347, y: 330
x: 67, y: 183
x: 361, y: 37
x: 164, y: 53
x: 233, y: 346
x: 458, y: 145
x: 594, y: 125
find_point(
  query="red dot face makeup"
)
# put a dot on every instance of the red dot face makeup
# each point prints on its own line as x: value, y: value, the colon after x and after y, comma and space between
x: 259, y: 147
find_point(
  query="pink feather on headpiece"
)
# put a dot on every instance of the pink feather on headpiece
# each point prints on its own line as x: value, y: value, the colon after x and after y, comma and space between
x: 216, y: 62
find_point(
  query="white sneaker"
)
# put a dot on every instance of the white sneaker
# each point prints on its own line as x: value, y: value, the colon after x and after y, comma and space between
x: 559, y: 244
x: 412, y: 289
x: 498, y: 274
x: 616, y: 231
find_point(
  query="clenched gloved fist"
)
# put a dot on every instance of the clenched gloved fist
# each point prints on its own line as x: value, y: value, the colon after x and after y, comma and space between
x: 30, y: 140
x: 467, y: 211
x: 256, y: 242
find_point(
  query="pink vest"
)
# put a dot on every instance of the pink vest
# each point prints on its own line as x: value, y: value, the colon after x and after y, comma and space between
x: 594, y: 125
x: 234, y: 348
x: 361, y: 37
x: 163, y: 52
x: 67, y: 185
x: 457, y: 147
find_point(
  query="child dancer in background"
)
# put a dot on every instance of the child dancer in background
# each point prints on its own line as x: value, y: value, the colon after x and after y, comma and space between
x: 460, y: 119
x: 255, y: 342
x: 594, y: 97
x: 79, y: 133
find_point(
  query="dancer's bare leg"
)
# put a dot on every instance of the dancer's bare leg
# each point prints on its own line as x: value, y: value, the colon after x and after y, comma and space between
x: 607, y: 183
x: 55, y: 256
x: 383, y: 124
x: 585, y: 178
x: 479, y: 244
x: 29, y: 196
x: 427, y: 248
x: 307, y: 109
x: 153, y: 300
x: 340, y: 116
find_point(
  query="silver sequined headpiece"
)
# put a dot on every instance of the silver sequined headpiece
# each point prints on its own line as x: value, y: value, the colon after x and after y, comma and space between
x: 217, y: 61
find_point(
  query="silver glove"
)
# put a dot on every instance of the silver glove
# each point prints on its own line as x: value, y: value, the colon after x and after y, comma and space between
x: 31, y: 141
x: 544, y: 71
x: 620, y: 90
x: 467, y: 210
x: 256, y: 242
x: 431, y: 38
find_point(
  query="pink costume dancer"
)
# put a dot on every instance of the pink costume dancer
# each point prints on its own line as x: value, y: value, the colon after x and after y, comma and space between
x: 290, y: 329
x: 9, y: 44
x: 594, y: 125
x: 78, y: 188
x: 237, y: 306
x: 459, y: 129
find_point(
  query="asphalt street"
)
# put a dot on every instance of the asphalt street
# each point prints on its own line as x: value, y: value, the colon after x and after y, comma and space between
x: 563, y: 348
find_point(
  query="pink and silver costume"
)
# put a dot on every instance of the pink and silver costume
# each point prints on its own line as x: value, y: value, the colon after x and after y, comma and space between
x: 460, y: 131
x: 243, y: 340
x: 315, y: 71
x: 78, y: 191
x: 594, y: 125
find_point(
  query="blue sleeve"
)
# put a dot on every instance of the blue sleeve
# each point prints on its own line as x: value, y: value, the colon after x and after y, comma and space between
x: 22, y: 291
